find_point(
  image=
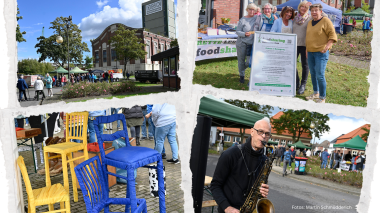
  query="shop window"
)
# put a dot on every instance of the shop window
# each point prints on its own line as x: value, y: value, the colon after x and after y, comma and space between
x: 227, y: 138
x: 96, y: 57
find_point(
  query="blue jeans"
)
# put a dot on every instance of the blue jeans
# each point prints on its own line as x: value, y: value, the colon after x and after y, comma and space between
x: 154, y: 133
x: 91, y: 130
x: 317, y: 64
x: 331, y: 163
x: 324, y: 164
x: 150, y: 130
x: 115, y: 111
x: 336, y: 163
x: 353, y: 167
x: 169, y: 132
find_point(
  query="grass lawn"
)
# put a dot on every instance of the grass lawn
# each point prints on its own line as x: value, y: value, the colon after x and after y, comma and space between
x: 145, y: 84
x: 117, y: 96
x: 346, y: 85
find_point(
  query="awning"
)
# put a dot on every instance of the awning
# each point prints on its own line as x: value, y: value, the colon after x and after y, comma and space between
x: 59, y: 70
x: 358, y: 12
x: 355, y: 143
x: 165, y: 54
x: 227, y: 115
x: 77, y: 70
x: 299, y: 145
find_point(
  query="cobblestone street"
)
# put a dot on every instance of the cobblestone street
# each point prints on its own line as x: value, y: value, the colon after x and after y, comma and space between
x: 174, y: 194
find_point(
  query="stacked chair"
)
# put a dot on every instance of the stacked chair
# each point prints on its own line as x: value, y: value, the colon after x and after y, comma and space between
x: 76, y: 129
x: 48, y: 195
x: 128, y: 158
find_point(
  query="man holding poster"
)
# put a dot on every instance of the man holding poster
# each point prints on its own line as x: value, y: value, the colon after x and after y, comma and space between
x: 274, y: 64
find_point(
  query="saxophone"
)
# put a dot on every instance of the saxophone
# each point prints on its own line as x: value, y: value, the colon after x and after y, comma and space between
x: 255, y: 203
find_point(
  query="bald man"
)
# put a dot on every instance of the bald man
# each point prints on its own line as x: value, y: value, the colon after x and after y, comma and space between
x: 238, y: 167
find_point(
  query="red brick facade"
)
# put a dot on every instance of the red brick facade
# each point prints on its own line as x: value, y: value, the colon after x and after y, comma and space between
x: 226, y: 9
x: 154, y: 43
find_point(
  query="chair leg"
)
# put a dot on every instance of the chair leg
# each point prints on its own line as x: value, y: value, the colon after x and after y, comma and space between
x: 67, y: 205
x: 29, y: 208
x: 51, y: 207
x: 73, y: 177
x: 161, y: 185
x: 62, y: 206
x: 32, y: 208
x: 65, y: 174
x: 47, y: 170
x: 131, y: 191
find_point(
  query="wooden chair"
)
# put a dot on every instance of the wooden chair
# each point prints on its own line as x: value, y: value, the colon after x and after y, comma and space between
x: 76, y: 129
x: 92, y: 181
x: 208, y: 203
x: 48, y: 195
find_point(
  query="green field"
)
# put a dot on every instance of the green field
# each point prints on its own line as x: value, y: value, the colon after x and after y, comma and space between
x: 346, y: 85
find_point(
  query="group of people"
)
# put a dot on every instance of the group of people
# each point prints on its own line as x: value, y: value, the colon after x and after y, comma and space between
x: 38, y: 87
x: 336, y: 157
x: 287, y: 156
x: 315, y: 36
x: 366, y: 25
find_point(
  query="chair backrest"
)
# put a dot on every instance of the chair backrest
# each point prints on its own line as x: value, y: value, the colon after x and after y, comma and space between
x: 110, y: 137
x: 25, y: 176
x: 92, y: 183
x: 76, y: 126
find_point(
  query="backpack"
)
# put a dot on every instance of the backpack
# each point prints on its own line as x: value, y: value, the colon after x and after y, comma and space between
x: 287, y: 156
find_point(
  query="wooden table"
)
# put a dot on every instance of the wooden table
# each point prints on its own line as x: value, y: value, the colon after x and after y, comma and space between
x: 26, y: 135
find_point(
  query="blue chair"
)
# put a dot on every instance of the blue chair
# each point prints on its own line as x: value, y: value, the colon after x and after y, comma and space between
x: 94, y: 187
x: 129, y: 158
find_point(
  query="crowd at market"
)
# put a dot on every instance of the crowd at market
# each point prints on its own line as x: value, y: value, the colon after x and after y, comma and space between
x: 287, y: 156
x: 157, y: 122
x: 315, y: 37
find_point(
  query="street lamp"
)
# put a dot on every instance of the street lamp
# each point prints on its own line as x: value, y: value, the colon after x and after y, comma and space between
x: 312, y: 126
x: 59, y: 40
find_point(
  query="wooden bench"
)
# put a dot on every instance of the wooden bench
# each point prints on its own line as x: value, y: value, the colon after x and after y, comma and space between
x: 208, y: 203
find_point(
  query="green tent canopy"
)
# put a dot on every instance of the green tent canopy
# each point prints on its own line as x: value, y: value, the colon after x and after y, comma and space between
x: 355, y: 143
x: 77, y: 70
x: 358, y: 12
x: 227, y: 115
x: 299, y: 145
x: 59, y: 70
x: 272, y: 142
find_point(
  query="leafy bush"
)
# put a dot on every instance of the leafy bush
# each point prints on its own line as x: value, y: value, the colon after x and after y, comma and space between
x: 345, y: 177
x: 354, y: 44
x: 86, y: 89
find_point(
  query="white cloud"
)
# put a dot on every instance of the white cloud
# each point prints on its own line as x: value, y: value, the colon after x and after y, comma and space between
x: 340, y: 125
x: 128, y: 13
x: 101, y: 3
x: 39, y: 23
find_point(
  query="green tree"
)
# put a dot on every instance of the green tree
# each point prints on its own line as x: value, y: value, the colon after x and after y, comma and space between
x: 19, y: 34
x: 297, y: 122
x: 365, y: 7
x: 50, y: 49
x: 366, y: 134
x: 174, y: 43
x: 88, y: 62
x: 33, y: 67
x: 127, y: 45
x: 350, y: 9
x: 252, y: 106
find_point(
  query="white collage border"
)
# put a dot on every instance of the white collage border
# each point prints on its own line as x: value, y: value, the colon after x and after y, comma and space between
x: 186, y: 101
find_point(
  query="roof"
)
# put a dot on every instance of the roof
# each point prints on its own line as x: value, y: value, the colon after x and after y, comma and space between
x: 324, y: 144
x: 165, y: 54
x: 358, y: 131
x: 227, y: 115
x: 303, y: 135
x: 237, y: 130
x: 334, y: 141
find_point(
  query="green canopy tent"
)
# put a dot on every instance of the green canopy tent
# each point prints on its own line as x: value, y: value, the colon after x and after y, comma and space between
x: 355, y: 143
x: 299, y: 145
x: 59, y: 70
x: 272, y: 142
x: 358, y: 12
x: 76, y: 70
x: 227, y: 115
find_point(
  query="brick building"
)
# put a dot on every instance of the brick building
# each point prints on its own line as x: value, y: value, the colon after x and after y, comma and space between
x: 105, y: 56
x: 233, y: 134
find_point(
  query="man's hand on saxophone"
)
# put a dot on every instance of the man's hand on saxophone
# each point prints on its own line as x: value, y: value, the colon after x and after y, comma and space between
x: 231, y: 210
x: 264, y: 190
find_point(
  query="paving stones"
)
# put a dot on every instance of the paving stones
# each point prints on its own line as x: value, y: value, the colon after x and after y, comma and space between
x: 173, y: 181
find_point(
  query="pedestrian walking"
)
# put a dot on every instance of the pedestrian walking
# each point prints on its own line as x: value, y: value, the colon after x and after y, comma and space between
x: 287, y: 160
x: 146, y: 132
x: 337, y: 159
x: 39, y: 88
x: 292, y: 156
x: 111, y: 76
x: 49, y: 85
x: 278, y: 153
x: 164, y: 119
x: 134, y: 119
x: 366, y: 25
x: 325, y: 155
x: 21, y: 86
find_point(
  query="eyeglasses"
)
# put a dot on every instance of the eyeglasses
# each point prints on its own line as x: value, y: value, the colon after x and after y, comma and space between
x: 261, y: 132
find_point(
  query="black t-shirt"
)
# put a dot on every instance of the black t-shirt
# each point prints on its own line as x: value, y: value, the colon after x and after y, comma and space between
x: 313, y: 23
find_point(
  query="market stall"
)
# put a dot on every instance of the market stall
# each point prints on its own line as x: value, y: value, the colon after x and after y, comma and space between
x: 356, y: 143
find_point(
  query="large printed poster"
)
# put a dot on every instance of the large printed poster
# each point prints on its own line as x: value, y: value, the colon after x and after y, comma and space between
x: 217, y: 48
x: 273, y: 65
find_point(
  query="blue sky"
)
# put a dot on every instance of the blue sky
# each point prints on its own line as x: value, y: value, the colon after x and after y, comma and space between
x: 92, y: 16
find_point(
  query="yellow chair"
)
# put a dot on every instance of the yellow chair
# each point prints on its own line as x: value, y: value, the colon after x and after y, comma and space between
x: 48, y: 195
x: 76, y: 128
